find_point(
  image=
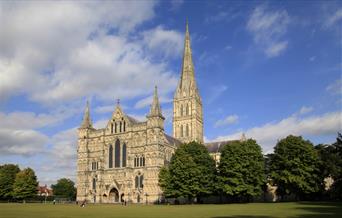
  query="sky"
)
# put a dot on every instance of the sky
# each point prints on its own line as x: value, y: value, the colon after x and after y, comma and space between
x: 264, y: 68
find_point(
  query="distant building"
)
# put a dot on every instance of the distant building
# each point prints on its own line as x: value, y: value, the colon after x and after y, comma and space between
x: 44, y: 191
x: 121, y: 162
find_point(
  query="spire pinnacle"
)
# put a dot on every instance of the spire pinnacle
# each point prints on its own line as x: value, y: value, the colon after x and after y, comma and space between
x: 155, y: 107
x: 87, y: 123
x: 187, y: 82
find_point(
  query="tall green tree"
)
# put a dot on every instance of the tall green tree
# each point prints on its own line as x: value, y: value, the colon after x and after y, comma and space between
x: 191, y: 173
x: 295, y: 167
x: 7, y: 178
x: 25, y: 185
x: 64, y: 188
x: 331, y: 165
x: 241, y: 169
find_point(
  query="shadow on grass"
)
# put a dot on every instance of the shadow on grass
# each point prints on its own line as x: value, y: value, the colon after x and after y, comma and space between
x: 320, y: 209
x: 242, y: 216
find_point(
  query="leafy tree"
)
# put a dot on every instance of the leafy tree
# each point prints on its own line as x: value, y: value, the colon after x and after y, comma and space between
x: 331, y: 159
x: 191, y: 172
x: 25, y: 185
x: 64, y: 188
x: 241, y: 169
x: 7, y: 178
x: 295, y: 167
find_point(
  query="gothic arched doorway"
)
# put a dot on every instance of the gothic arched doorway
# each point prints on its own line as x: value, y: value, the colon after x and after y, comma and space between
x: 113, y: 196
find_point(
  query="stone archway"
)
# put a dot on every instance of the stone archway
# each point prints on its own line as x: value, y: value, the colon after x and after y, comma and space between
x: 113, y: 196
x: 104, y: 198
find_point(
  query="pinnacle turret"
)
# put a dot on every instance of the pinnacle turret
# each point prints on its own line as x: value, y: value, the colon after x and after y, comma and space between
x: 155, y: 107
x: 87, y: 123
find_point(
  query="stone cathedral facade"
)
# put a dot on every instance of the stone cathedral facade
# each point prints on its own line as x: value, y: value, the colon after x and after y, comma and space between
x: 121, y: 161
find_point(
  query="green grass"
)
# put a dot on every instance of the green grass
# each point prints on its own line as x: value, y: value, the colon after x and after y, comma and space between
x: 252, y: 210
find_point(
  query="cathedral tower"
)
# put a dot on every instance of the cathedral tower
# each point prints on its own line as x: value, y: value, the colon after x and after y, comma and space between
x: 187, y: 103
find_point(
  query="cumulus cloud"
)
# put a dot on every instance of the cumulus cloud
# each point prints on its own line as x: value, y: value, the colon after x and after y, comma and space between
x: 148, y: 101
x: 231, y: 119
x: 19, y: 134
x: 305, y: 110
x: 49, y: 48
x: 168, y: 43
x: 268, y: 29
x: 268, y: 134
x: 21, y: 142
x: 335, y: 88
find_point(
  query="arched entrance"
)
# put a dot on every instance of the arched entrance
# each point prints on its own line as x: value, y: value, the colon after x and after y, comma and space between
x: 113, y: 196
x: 104, y: 198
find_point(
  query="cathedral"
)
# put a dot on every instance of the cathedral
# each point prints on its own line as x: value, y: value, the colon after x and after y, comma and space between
x: 121, y: 161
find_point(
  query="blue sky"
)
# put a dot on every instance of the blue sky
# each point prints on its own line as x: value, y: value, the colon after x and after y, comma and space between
x: 264, y: 68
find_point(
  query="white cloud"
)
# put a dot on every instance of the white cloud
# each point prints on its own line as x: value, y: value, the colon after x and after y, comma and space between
x: 168, y: 43
x: 18, y: 134
x: 21, y: 142
x: 100, y: 124
x: 268, y: 28
x: 215, y: 92
x: 305, y: 110
x: 63, y: 45
x: 333, y: 18
x: 313, y: 58
x: 335, y: 87
x: 148, y: 101
x: 231, y: 119
x: 275, y: 49
x: 176, y: 4
x: 228, y: 47
x: 268, y: 134
x: 65, y: 145
x: 104, y: 109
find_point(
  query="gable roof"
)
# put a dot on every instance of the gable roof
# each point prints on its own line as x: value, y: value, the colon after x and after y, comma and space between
x: 172, y: 141
x: 215, y: 147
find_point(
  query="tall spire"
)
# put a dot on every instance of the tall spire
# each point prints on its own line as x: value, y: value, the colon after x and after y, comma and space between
x: 187, y: 82
x: 155, y: 107
x: 87, y: 123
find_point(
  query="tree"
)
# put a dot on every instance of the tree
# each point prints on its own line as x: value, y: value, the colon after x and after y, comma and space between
x: 25, y: 185
x: 191, y: 172
x: 295, y: 167
x: 64, y: 188
x: 7, y: 178
x: 331, y: 165
x: 241, y: 172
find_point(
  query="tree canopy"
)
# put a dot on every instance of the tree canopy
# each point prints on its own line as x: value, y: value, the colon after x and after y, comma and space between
x: 191, y: 172
x: 295, y: 167
x: 8, y: 173
x: 64, y: 188
x: 25, y: 185
x: 241, y: 169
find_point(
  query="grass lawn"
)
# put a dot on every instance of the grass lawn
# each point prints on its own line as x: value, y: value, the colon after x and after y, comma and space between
x: 252, y: 210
